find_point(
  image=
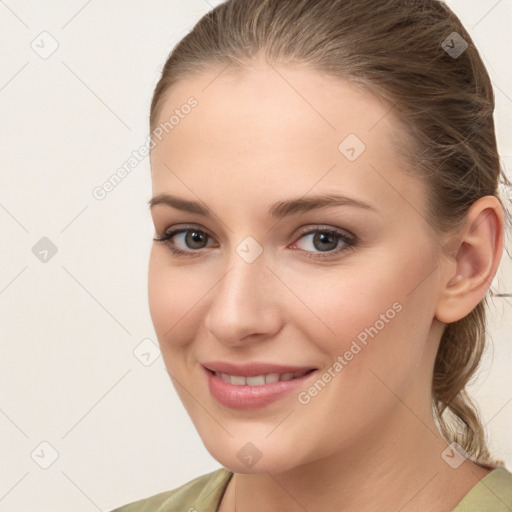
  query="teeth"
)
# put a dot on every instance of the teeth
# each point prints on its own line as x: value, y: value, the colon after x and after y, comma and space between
x: 237, y: 381
x: 271, y: 378
x: 258, y: 380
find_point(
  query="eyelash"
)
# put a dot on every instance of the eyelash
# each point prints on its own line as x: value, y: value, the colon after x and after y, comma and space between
x: 350, y: 241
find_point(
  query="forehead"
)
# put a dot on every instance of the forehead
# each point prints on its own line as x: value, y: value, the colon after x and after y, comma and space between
x: 279, y: 128
x: 267, y: 96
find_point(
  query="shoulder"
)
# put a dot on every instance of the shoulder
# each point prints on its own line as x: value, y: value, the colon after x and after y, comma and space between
x: 203, y: 493
x: 492, y: 494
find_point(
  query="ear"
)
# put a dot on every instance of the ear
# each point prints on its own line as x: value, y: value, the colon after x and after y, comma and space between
x: 476, y: 254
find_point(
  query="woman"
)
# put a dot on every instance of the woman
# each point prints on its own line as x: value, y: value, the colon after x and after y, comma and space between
x: 327, y: 226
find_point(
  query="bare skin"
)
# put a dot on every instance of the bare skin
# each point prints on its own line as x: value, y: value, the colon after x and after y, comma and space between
x: 368, y: 440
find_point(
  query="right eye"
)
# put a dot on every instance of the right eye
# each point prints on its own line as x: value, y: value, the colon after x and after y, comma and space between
x: 189, y: 238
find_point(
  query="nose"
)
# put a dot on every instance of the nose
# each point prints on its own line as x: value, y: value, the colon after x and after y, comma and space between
x: 245, y: 304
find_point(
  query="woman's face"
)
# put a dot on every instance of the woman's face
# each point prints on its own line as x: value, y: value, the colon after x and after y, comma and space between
x: 257, y: 285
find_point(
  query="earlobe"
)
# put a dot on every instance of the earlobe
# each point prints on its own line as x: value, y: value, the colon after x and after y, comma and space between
x: 480, y: 247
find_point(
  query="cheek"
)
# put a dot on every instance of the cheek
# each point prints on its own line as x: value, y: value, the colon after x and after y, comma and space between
x: 342, y: 303
x: 173, y: 297
x: 368, y: 313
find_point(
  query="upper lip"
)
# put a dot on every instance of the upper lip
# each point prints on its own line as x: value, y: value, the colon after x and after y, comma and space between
x: 252, y: 369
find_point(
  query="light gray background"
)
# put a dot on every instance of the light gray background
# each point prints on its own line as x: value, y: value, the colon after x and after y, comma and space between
x: 69, y: 327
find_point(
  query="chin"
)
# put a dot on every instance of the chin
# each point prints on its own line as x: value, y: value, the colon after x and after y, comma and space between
x: 248, y: 459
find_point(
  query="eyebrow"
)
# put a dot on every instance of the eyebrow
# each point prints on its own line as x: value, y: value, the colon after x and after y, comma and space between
x: 278, y: 210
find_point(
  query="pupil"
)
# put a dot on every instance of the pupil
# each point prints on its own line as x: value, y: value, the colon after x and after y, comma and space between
x: 196, y: 236
x: 323, y: 237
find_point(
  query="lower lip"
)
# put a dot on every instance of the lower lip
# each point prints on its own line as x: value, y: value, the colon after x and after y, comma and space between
x: 251, y: 397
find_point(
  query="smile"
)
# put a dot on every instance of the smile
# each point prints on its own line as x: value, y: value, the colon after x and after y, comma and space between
x: 254, y: 391
x: 259, y: 380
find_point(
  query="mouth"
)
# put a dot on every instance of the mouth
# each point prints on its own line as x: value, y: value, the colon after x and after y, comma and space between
x: 259, y: 380
x: 257, y: 390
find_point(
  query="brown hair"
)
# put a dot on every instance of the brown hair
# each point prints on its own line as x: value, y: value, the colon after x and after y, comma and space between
x: 397, y: 49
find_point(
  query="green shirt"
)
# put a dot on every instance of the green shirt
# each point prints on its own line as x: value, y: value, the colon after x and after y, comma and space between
x: 203, y: 494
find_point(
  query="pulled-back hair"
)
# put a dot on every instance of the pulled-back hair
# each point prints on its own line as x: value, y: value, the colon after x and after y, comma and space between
x: 400, y: 51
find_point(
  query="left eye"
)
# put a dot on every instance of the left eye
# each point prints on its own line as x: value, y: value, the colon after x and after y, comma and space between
x: 326, y: 240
